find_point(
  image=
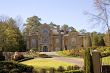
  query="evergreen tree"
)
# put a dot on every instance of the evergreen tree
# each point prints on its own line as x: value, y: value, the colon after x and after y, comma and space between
x: 94, y: 39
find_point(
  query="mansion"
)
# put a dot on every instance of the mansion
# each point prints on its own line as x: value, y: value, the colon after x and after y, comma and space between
x: 48, y: 39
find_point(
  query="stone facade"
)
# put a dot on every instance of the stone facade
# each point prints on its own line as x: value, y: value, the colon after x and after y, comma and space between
x: 53, y: 39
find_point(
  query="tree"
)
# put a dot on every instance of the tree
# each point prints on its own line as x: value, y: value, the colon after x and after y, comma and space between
x: 102, y: 9
x: 83, y: 31
x: 101, y: 40
x: 31, y: 25
x: 102, y: 15
x: 65, y: 27
x: 72, y: 29
x: 94, y: 39
x: 11, y: 37
x: 87, y: 42
x: 52, y: 25
x: 88, y: 66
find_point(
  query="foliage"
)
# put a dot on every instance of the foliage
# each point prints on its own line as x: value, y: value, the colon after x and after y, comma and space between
x: 83, y: 31
x: 52, y: 70
x: 12, y: 67
x: 52, y: 25
x: 74, y: 71
x: 70, y: 68
x: 43, y: 70
x: 88, y: 61
x: 106, y: 60
x: 44, y: 56
x: 105, y: 51
x: 31, y: 54
x: 2, y: 58
x: 25, y: 59
x: 106, y: 39
x: 10, y: 36
x: 32, y: 24
x: 76, y: 67
x: 88, y: 40
x: 60, y: 69
x: 66, y: 28
x: 94, y: 39
x: 72, y: 53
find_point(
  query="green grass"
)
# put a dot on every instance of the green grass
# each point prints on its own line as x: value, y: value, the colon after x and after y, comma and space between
x: 46, y: 63
x: 106, y: 60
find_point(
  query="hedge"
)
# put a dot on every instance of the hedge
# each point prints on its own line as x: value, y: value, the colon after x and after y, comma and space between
x: 74, y: 71
x: 14, y: 67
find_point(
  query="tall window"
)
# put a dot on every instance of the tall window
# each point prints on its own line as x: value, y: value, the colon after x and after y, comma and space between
x: 33, y: 43
x: 45, y: 36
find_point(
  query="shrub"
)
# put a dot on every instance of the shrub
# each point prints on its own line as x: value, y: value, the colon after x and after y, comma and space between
x: 43, y: 70
x: 70, y: 68
x: 74, y: 71
x: 60, y: 69
x: 14, y: 71
x: 44, y: 56
x: 88, y: 61
x: 4, y: 71
x: 31, y: 54
x: 52, y: 70
x: 105, y: 54
x: 76, y: 67
x: 15, y: 66
x: 24, y: 59
x: 73, y: 52
x: 2, y: 58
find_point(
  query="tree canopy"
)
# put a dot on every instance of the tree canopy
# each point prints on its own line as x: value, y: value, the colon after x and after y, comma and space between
x: 10, y: 36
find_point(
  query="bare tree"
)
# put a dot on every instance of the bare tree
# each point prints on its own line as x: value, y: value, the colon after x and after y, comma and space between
x: 102, y: 13
x: 102, y: 7
x: 101, y: 17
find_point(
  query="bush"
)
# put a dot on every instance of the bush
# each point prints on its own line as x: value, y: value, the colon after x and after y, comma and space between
x: 31, y: 54
x: 24, y: 59
x: 88, y: 61
x: 52, y: 70
x: 43, y: 70
x: 74, y: 71
x: 76, y: 67
x: 77, y: 52
x: 105, y: 54
x: 70, y: 68
x: 14, y: 66
x: 14, y: 71
x: 44, y: 56
x: 4, y: 71
x: 2, y: 58
x: 60, y: 69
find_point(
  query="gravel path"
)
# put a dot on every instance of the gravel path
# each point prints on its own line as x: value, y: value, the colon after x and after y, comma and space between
x: 76, y: 61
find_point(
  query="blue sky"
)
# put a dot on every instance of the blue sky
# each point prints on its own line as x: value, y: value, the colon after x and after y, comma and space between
x: 61, y: 12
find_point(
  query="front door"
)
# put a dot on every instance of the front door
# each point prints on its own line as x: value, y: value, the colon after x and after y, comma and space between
x: 45, y: 49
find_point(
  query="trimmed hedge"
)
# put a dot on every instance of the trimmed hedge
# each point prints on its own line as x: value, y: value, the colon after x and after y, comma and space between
x: 44, y: 56
x: 25, y: 58
x: 14, y: 67
x: 88, y: 61
x: 74, y: 71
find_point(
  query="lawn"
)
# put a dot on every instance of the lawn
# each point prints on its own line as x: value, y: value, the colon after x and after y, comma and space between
x: 46, y: 63
x: 106, y: 60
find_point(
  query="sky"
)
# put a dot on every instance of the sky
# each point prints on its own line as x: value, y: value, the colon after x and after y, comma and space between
x: 70, y: 12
